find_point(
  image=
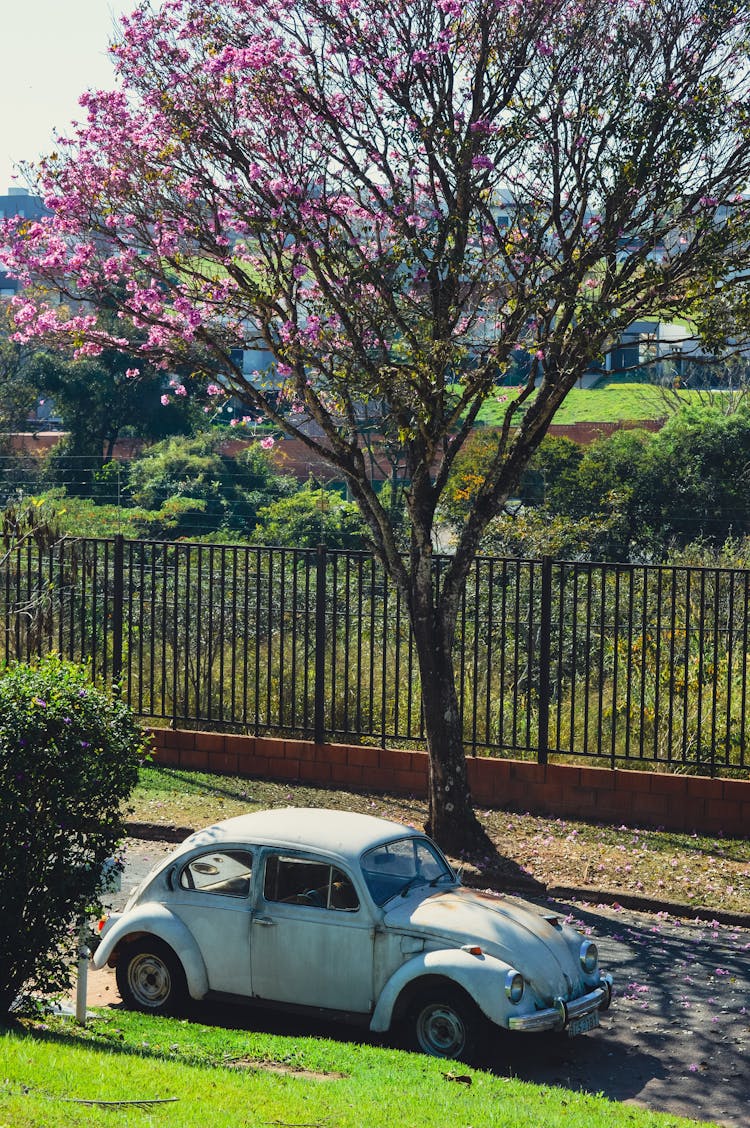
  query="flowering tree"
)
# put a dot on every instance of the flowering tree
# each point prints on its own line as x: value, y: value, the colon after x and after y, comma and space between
x: 392, y: 197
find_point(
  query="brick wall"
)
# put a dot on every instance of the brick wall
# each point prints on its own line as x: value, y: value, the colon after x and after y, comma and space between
x: 675, y: 802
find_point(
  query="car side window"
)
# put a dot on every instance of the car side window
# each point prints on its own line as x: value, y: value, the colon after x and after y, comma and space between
x: 227, y: 872
x: 302, y: 881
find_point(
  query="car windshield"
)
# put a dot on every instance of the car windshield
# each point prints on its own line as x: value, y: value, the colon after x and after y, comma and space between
x: 399, y: 866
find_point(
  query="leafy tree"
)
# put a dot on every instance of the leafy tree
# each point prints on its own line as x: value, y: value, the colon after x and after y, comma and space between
x: 390, y: 196
x: 695, y: 479
x: 17, y: 391
x: 69, y: 756
x: 308, y: 518
x: 228, y: 492
x: 99, y: 399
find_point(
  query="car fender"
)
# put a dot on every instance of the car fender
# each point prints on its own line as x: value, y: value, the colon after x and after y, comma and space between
x: 155, y: 920
x: 481, y: 976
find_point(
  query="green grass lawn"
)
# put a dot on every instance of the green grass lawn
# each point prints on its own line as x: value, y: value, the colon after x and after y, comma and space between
x: 612, y: 402
x: 209, y: 1075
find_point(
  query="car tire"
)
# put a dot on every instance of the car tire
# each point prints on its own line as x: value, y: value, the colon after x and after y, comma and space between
x: 446, y: 1023
x: 150, y: 978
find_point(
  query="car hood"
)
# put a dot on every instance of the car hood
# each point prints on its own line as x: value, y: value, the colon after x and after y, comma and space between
x: 511, y: 930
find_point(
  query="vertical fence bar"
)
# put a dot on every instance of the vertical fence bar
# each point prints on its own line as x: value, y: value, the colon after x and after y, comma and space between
x: 545, y: 637
x: 320, y: 645
x: 118, y: 603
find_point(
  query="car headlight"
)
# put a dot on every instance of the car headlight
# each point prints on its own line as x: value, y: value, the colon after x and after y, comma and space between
x: 514, y: 986
x: 589, y: 956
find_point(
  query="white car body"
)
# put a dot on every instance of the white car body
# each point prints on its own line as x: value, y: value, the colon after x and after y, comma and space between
x: 385, y: 932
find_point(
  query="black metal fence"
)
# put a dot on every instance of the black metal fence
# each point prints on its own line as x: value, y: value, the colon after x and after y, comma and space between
x: 623, y: 664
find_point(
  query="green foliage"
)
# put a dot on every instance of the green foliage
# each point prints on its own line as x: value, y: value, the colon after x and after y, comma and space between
x: 69, y: 756
x: 308, y: 518
x: 642, y: 493
x: 98, y: 401
x: 227, y: 492
x: 695, y: 481
x: 17, y: 390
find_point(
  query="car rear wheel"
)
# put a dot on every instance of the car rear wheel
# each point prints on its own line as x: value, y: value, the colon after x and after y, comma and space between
x: 150, y: 978
x: 446, y: 1024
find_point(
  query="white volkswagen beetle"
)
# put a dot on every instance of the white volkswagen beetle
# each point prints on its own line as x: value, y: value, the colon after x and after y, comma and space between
x: 355, y: 916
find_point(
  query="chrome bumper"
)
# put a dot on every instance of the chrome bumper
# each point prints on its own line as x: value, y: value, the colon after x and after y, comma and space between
x: 558, y: 1016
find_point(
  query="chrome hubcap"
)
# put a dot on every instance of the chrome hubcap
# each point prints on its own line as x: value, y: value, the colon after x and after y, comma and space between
x: 149, y: 980
x: 440, y: 1031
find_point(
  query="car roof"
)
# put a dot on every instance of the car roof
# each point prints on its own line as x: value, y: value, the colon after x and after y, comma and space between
x: 341, y: 833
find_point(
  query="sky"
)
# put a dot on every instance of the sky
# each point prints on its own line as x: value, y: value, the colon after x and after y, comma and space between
x: 50, y: 52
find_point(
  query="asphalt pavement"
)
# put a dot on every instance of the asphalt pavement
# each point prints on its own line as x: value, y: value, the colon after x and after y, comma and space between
x: 675, y: 1040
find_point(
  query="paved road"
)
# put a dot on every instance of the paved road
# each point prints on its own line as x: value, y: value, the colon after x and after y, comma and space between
x: 677, y: 1036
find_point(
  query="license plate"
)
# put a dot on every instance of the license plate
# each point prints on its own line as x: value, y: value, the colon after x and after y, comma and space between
x: 582, y: 1024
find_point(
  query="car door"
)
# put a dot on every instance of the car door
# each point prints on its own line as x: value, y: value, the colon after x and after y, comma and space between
x: 212, y: 896
x: 312, y: 937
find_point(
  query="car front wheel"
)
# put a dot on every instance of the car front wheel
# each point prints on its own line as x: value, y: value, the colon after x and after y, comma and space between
x: 446, y: 1024
x: 150, y: 978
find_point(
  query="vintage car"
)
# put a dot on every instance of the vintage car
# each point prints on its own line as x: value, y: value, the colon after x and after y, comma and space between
x: 355, y: 916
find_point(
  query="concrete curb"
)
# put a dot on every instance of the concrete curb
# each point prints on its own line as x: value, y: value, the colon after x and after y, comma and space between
x: 153, y: 832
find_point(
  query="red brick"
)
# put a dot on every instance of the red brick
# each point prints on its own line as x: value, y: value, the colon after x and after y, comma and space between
x: 226, y: 763
x: 179, y: 738
x: 194, y: 759
x: 723, y: 809
x: 314, y: 772
x: 639, y: 782
x: 394, y: 759
x: 330, y: 753
x: 362, y: 756
x: 737, y: 790
x: 652, y: 805
x: 599, y: 778
x: 409, y: 783
x: 373, y: 778
x: 285, y: 769
x: 692, y: 812
x: 519, y: 770
x: 581, y: 799
x: 209, y: 741
x: 255, y: 766
x: 299, y: 750
x: 347, y: 773
x: 563, y: 774
x: 615, y: 808
x: 166, y: 756
x: 745, y: 817
x: 242, y: 745
x: 663, y: 784
x: 517, y: 792
x: 702, y: 787
x: 270, y: 747
x: 158, y: 735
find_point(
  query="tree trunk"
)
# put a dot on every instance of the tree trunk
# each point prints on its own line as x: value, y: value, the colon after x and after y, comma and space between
x: 451, y: 819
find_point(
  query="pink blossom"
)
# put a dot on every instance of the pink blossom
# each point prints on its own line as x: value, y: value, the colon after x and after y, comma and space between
x: 213, y: 390
x: 132, y: 372
x: 180, y: 390
x: 164, y: 400
x: 268, y: 442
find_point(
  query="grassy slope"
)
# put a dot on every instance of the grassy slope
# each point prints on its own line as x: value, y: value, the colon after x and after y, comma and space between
x: 229, y: 1078
x: 702, y: 871
x: 608, y: 403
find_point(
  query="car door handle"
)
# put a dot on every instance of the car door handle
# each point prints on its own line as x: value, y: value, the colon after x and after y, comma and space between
x: 264, y: 920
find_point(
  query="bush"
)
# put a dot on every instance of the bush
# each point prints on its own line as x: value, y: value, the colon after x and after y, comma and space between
x: 69, y: 756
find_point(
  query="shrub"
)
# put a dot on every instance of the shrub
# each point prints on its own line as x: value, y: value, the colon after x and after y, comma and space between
x: 69, y: 756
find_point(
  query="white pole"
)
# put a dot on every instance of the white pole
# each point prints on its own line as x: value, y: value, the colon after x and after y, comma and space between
x: 83, y: 974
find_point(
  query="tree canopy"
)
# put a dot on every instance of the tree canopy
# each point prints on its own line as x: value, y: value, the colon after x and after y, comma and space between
x: 392, y: 198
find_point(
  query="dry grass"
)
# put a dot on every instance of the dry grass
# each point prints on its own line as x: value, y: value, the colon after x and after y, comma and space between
x: 713, y: 873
